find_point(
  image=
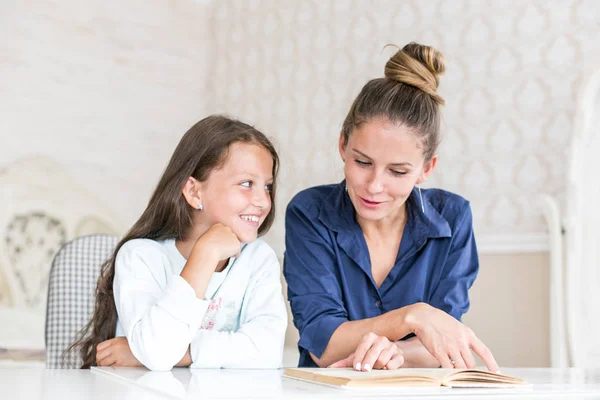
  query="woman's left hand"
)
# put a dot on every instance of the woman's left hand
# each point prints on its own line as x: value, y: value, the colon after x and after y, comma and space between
x: 116, y: 353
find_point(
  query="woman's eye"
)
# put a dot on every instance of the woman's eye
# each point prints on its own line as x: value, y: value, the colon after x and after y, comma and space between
x: 247, y: 184
x: 398, y: 173
x: 363, y: 163
x: 269, y: 187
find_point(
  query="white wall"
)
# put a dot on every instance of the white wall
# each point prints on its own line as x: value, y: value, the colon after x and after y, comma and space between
x: 109, y: 89
x: 106, y: 88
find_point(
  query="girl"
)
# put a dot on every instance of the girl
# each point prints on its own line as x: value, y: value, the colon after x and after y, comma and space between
x: 372, y: 260
x: 190, y: 284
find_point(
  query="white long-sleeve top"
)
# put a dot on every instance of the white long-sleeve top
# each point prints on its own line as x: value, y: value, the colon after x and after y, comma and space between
x: 240, y: 323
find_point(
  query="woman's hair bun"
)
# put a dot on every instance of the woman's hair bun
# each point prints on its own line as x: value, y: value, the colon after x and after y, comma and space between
x: 419, y: 66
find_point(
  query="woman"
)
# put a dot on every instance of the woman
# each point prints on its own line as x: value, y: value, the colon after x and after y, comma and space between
x: 374, y: 259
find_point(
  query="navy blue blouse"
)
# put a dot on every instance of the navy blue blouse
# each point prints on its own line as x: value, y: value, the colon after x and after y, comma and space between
x: 328, y: 268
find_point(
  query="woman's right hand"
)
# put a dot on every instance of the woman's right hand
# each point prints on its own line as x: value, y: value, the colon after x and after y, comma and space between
x: 373, y: 352
x: 447, y: 339
x: 219, y: 241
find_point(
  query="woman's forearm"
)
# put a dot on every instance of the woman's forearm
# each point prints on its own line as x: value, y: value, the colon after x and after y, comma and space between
x: 394, y: 325
x: 416, y: 355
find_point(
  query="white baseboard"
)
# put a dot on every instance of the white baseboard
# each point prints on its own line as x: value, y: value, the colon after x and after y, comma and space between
x: 510, y: 244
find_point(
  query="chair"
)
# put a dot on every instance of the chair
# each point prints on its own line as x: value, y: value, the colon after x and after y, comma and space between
x: 43, y: 207
x: 71, y: 292
x: 581, y: 224
x: 575, y: 283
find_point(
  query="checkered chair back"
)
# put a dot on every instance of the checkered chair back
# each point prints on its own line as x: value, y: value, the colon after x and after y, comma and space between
x: 71, y: 289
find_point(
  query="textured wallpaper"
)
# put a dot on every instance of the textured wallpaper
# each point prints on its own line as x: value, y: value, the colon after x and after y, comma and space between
x: 107, y: 89
x: 514, y: 69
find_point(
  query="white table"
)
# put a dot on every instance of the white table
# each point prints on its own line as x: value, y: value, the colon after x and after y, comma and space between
x: 183, y: 383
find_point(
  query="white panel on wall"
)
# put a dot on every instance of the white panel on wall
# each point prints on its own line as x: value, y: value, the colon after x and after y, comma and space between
x: 513, y: 71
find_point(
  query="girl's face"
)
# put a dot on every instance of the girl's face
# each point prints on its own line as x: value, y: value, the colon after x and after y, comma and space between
x: 382, y: 164
x: 238, y: 193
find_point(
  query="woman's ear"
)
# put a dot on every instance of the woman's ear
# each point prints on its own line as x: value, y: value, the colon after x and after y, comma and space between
x: 428, y: 168
x: 192, y: 192
x: 342, y: 146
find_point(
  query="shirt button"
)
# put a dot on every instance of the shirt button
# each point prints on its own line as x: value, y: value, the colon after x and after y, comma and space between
x: 378, y: 304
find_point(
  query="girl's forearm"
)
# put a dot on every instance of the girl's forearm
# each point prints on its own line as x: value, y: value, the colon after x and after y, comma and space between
x: 197, y: 272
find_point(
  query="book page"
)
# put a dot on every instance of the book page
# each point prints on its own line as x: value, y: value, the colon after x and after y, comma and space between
x: 438, y: 373
x: 480, y: 378
x: 376, y: 374
x: 348, y: 377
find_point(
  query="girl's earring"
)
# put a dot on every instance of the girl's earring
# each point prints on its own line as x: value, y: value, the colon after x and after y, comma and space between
x: 421, y: 197
x: 200, y: 207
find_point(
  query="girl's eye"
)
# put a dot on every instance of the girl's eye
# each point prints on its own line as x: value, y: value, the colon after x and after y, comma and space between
x: 269, y: 187
x: 247, y: 184
x: 362, y: 163
x: 397, y: 173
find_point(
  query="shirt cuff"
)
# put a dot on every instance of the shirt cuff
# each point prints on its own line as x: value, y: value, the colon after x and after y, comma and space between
x: 179, y: 300
x: 206, y: 352
x: 315, y: 336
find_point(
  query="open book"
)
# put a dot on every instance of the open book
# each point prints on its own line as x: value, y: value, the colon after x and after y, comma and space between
x: 405, y: 377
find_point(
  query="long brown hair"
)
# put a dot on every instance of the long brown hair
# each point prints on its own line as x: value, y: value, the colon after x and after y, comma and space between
x: 203, y: 148
x: 407, y: 95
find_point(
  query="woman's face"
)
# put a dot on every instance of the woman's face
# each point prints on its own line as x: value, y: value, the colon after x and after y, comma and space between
x: 382, y: 163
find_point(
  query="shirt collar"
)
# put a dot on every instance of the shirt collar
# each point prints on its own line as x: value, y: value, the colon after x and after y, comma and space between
x: 337, y: 213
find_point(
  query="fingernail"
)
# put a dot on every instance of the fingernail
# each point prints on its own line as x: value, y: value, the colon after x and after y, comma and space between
x: 357, y: 366
x: 367, y: 367
x: 498, y: 372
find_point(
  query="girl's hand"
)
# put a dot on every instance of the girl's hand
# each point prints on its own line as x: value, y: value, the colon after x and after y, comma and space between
x: 220, y: 241
x: 116, y: 352
x: 373, y: 352
x: 447, y: 339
